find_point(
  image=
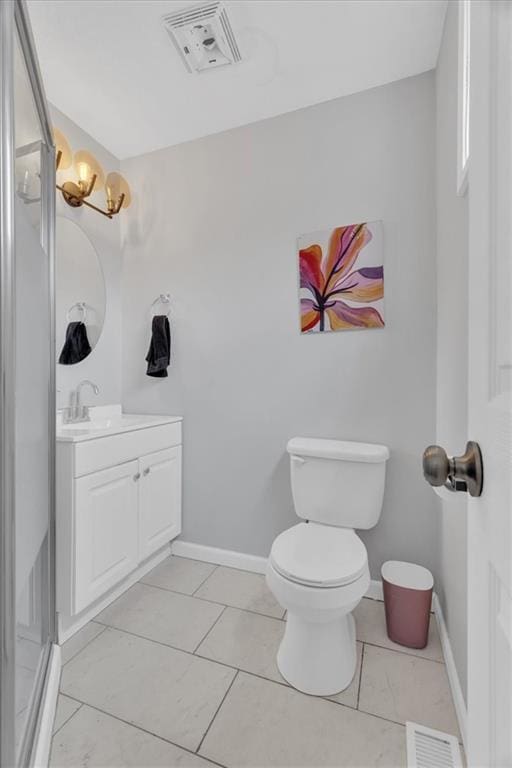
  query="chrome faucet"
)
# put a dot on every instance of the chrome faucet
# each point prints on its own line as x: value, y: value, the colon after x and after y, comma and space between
x: 76, y: 412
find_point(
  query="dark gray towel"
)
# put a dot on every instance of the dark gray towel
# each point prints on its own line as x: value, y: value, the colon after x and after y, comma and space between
x: 159, y: 352
x: 76, y: 347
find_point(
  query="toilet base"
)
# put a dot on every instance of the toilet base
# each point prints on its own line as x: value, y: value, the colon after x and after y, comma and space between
x: 318, y: 658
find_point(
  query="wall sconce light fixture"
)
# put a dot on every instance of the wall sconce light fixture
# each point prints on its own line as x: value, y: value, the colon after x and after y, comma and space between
x: 89, y: 178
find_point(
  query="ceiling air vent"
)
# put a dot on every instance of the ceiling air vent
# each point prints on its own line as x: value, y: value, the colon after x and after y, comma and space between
x: 203, y: 36
x: 427, y: 748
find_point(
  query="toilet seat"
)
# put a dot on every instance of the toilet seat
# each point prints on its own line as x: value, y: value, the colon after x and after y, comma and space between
x: 319, y: 555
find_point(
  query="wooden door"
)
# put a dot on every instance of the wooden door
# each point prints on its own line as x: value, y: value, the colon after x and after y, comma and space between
x: 490, y: 386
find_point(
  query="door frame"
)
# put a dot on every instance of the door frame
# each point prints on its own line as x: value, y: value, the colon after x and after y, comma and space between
x: 15, y: 24
x: 7, y: 466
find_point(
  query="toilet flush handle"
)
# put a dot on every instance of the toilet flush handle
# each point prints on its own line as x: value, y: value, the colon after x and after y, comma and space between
x: 298, y: 459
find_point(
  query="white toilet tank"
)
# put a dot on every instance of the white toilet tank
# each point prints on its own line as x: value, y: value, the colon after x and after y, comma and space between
x: 336, y: 482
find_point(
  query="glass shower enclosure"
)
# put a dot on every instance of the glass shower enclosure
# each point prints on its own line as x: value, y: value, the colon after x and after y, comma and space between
x: 27, y: 389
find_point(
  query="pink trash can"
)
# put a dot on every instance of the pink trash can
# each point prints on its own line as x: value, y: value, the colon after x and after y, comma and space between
x: 407, y: 600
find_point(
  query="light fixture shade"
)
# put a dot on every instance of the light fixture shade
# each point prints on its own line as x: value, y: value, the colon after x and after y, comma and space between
x: 115, y: 186
x: 61, y: 145
x: 86, y: 165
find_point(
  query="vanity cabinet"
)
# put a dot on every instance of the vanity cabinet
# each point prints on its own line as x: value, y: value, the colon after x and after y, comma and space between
x: 118, y: 503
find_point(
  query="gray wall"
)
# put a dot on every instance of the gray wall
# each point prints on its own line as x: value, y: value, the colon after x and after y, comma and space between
x: 215, y: 223
x: 103, y: 365
x: 452, y: 340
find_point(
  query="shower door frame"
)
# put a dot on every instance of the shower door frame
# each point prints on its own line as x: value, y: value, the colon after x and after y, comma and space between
x: 14, y: 21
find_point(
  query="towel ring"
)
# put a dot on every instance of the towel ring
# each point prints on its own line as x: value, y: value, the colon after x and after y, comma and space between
x: 163, y: 298
x: 82, y: 307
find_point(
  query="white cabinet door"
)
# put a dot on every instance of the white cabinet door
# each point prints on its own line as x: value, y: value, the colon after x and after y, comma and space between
x: 160, y: 500
x: 106, y: 534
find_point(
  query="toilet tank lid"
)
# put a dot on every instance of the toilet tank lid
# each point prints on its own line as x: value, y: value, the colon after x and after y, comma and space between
x: 337, y: 449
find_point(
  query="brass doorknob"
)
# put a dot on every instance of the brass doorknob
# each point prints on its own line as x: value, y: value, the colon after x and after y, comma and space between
x: 458, y: 473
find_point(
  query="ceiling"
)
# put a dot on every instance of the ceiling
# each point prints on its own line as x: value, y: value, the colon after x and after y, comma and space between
x: 112, y: 68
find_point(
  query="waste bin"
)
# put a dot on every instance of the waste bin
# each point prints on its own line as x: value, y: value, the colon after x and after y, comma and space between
x: 407, y: 600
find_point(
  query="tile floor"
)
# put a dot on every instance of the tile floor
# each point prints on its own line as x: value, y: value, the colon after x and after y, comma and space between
x: 181, y: 671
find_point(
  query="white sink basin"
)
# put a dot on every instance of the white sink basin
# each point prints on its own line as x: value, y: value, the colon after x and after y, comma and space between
x: 108, y: 420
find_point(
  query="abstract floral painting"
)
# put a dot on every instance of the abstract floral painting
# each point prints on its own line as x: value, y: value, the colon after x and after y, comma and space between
x: 342, y: 278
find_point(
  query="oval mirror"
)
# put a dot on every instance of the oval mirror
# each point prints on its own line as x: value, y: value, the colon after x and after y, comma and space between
x: 79, y: 293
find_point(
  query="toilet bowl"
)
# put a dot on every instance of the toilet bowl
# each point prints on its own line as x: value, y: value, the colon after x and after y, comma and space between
x: 318, y: 570
x: 319, y: 574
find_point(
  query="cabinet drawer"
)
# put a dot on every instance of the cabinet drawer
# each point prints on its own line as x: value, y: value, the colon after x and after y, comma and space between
x: 93, y: 455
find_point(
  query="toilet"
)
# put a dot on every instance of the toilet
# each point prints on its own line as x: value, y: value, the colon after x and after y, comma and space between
x: 318, y: 569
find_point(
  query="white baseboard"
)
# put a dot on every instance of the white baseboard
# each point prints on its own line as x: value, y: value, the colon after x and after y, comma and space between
x: 227, y: 557
x: 69, y: 625
x: 374, y: 591
x: 43, y: 739
x: 451, y: 671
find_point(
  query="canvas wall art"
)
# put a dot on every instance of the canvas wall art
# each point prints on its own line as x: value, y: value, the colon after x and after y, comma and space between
x: 342, y: 278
